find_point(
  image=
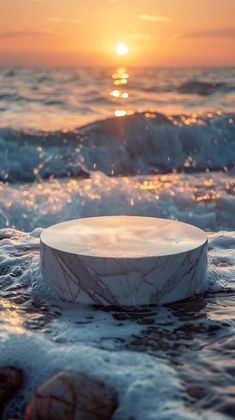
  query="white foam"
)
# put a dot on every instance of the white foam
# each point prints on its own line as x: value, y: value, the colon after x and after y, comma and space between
x: 147, y: 386
x: 205, y: 200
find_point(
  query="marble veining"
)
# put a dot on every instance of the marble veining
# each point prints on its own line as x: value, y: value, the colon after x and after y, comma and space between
x: 130, y: 277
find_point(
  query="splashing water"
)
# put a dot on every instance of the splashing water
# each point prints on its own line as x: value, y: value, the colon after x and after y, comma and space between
x: 170, y: 362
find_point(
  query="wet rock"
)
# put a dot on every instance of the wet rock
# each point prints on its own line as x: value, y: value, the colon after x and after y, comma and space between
x: 72, y: 396
x: 227, y: 408
x: 11, y: 380
x: 196, y: 391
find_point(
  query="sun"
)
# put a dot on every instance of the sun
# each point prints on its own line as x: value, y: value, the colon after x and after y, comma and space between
x: 122, y: 49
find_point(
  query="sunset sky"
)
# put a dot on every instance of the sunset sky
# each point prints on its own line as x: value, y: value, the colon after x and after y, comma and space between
x: 86, y: 32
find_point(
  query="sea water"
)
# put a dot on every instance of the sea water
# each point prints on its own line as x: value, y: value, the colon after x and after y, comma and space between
x: 64, y: 154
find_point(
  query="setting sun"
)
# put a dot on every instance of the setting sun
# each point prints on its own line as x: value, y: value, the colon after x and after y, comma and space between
x: 122, y: 49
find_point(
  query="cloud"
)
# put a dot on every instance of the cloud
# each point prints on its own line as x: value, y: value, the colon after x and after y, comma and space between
x: 73, y: 20
x: 23, y: 34
x: 54, y: 19
x: 57, y: 19
x: 141, y: 37
x: 215, y: 33
x: 156, y: 18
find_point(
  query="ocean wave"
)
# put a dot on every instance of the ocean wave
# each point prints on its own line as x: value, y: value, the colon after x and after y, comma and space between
x: 14, y: 97
x: 142, y: 143
x: 201, y: 87
x: 189, y: 87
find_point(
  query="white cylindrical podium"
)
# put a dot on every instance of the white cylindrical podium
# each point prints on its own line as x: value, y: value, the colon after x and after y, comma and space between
x: 124, y: 260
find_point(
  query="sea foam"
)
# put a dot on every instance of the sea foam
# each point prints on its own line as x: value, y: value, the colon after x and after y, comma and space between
x: 41, y: 334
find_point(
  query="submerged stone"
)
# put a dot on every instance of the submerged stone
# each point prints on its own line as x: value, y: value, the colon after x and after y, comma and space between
x: 72, y: 396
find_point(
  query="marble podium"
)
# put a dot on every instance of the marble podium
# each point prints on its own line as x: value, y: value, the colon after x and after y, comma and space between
x: 124, y: 260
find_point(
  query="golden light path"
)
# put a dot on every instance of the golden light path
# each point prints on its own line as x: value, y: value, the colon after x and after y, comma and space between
x: 120, y: 77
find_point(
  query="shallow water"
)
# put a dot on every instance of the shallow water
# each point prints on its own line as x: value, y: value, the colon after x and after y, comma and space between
x: 165, y: 362
x: 173, y: 361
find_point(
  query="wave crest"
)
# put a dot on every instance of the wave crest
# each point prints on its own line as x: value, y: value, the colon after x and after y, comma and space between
x: 137, y: 144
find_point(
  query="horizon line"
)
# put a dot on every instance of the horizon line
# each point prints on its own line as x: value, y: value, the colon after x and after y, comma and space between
x: 72, y: 66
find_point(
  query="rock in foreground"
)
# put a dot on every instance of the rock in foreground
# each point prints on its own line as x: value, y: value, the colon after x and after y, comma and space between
x: 72, y: 396
x: 11, y: 380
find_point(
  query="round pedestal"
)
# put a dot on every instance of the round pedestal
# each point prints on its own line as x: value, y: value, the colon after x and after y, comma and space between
x: 124, y: 260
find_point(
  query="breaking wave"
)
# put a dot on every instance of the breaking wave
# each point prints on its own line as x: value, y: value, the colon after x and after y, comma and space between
x: 142, y: 143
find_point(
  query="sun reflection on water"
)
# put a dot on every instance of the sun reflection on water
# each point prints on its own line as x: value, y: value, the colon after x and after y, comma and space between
x: 120, y: 78
x: 120, y: 113
x: 10, y: 317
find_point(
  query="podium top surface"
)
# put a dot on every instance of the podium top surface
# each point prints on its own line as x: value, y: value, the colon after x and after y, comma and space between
x: 123, y: 237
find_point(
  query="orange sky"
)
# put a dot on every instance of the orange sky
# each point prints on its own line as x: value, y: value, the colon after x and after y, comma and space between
x: 86, y: 32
